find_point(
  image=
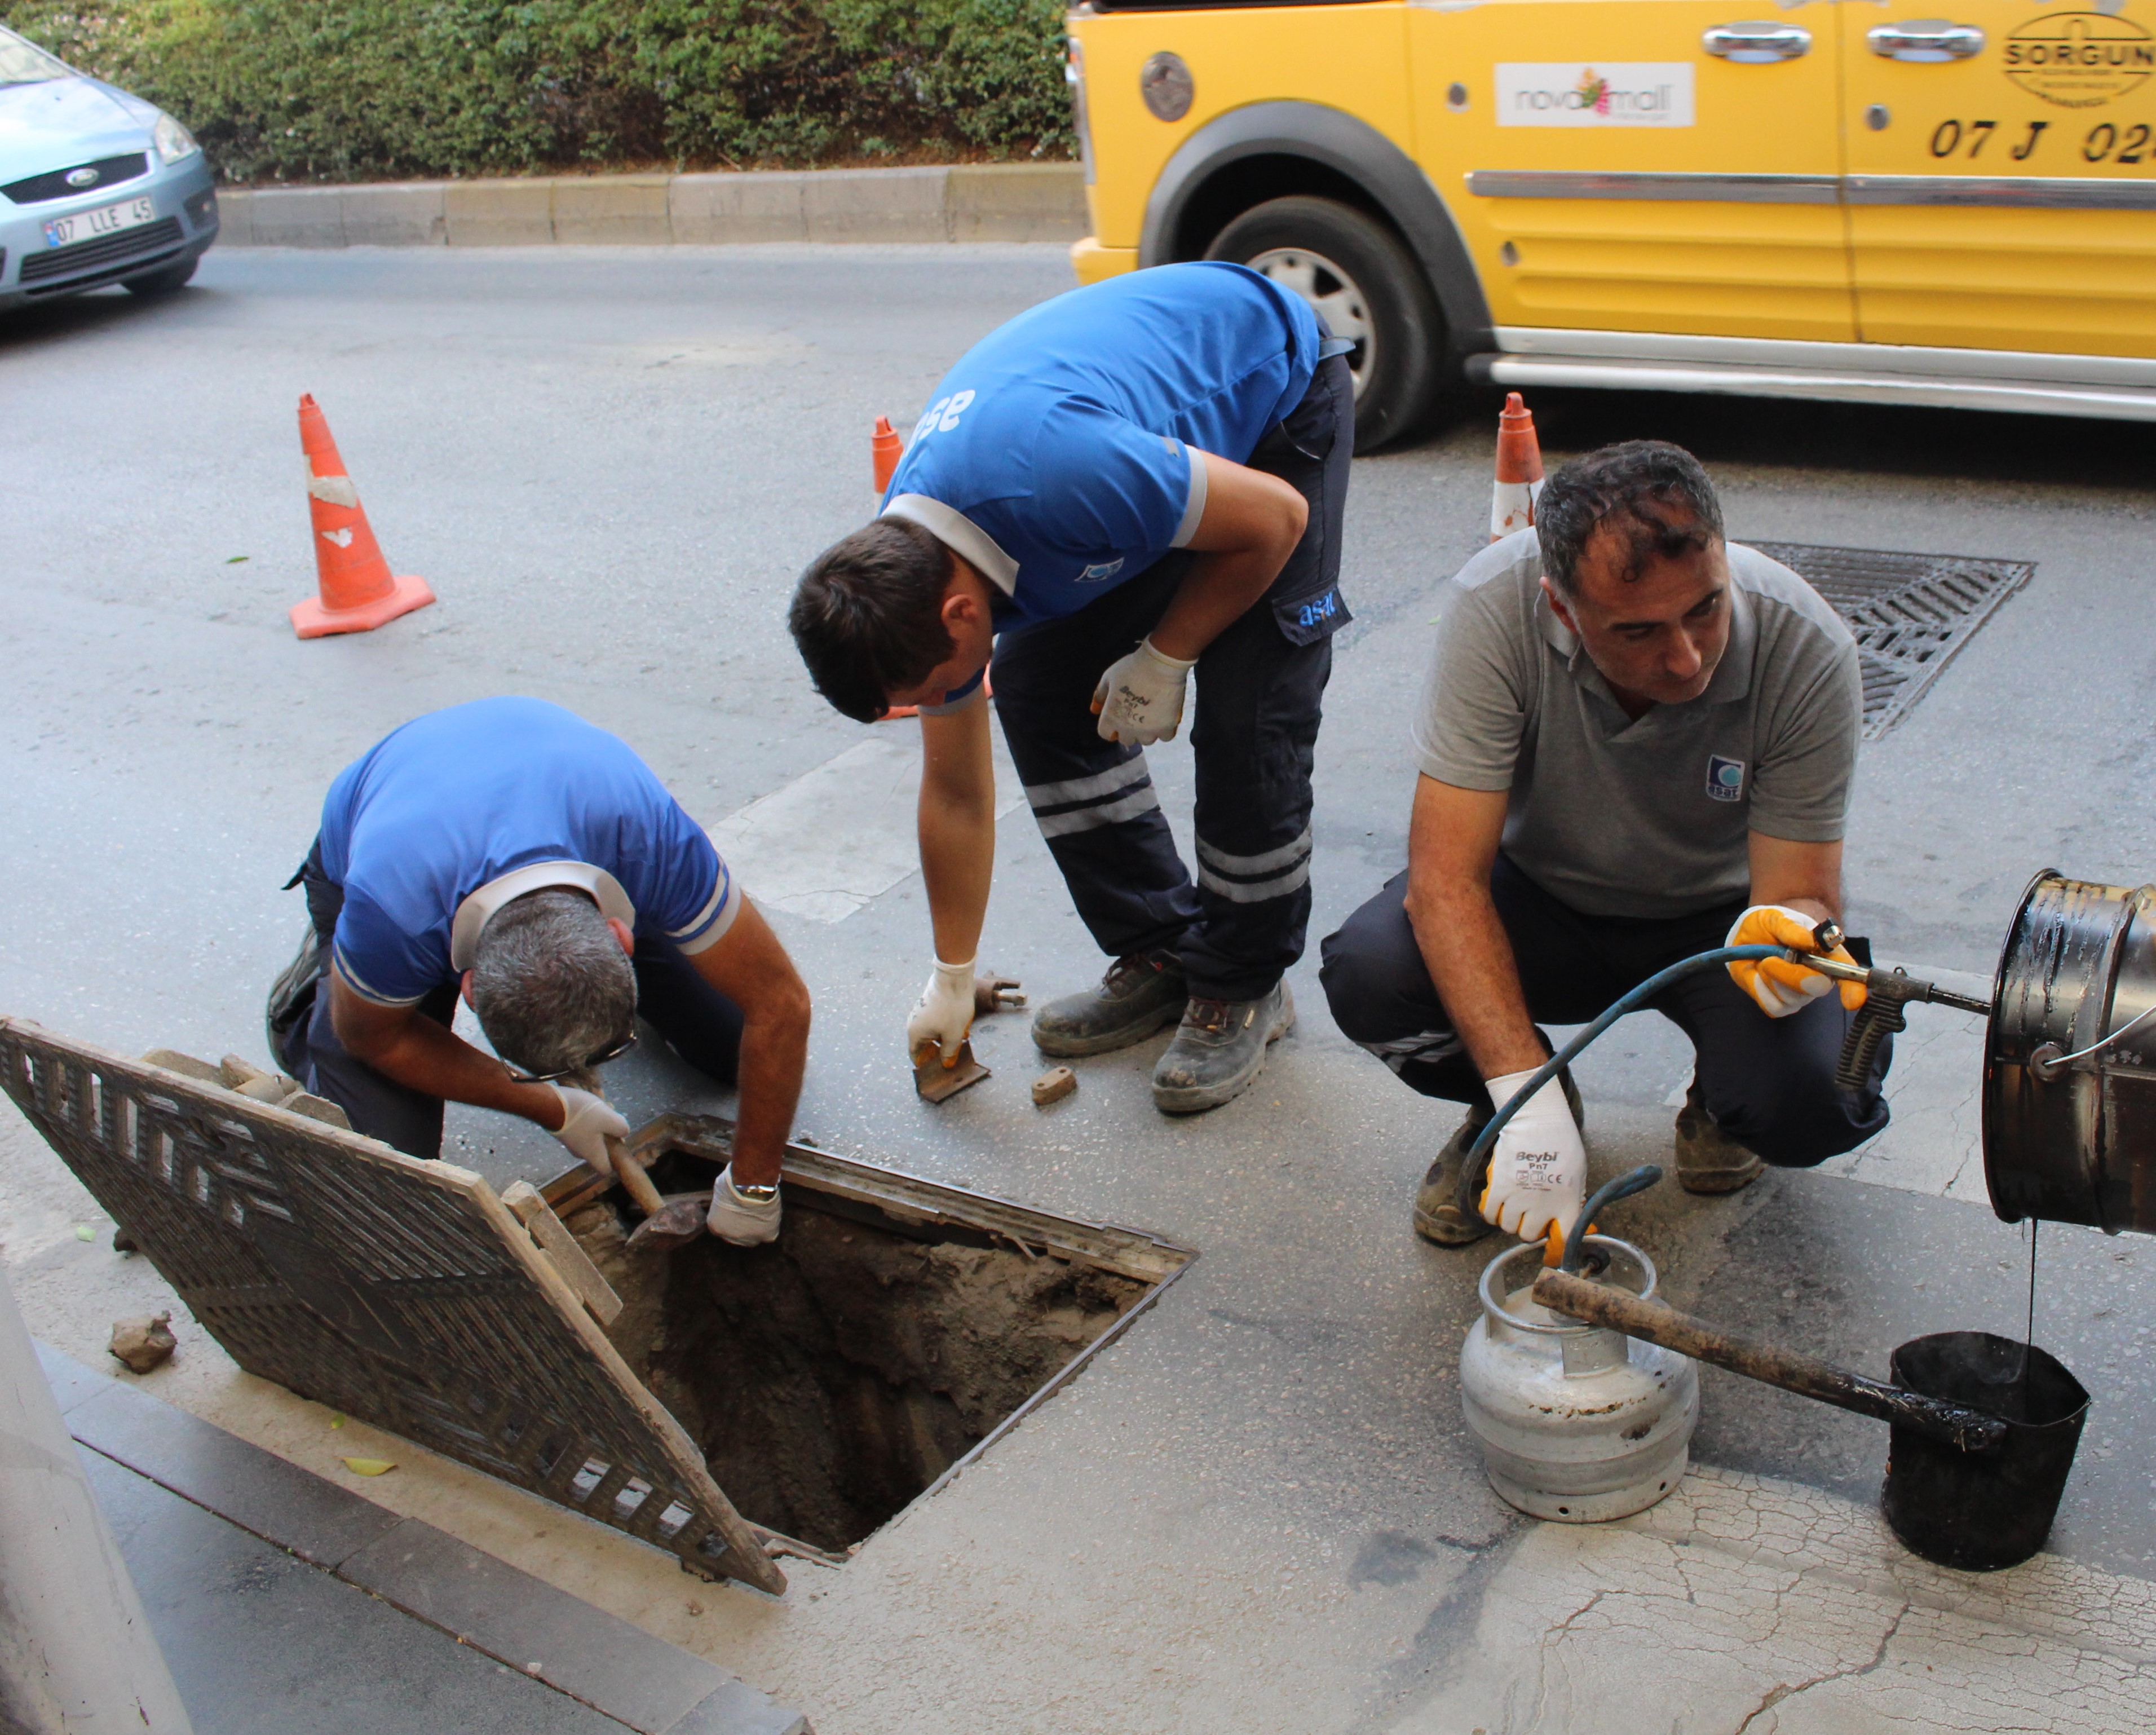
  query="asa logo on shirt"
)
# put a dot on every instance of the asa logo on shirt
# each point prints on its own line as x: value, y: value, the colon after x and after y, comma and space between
x: 1725, y: 779
x: 1101, y: 574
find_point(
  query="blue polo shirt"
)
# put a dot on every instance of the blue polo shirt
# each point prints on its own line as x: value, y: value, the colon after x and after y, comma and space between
x: 460, y: 810
x: 1057, y: 456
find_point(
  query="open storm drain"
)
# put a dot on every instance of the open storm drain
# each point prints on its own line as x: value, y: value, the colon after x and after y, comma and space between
x: 1911, y: 612
x: 896, y: 1328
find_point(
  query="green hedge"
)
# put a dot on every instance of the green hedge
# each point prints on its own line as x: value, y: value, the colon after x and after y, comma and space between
x: 354, y: 90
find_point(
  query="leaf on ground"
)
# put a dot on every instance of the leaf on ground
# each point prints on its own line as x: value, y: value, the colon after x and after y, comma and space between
x: 84, y: 1232
x: 234, y: 560
x: 369, y: 1466
x: 336, y: 1421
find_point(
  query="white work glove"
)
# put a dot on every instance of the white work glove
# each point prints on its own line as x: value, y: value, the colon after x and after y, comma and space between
x: 1139, y: 698
x: 586, y: 1122
x: 944, y: 1013
x: 1779, y: 986
x: 1538, y: 1171
x: 741, y: 1222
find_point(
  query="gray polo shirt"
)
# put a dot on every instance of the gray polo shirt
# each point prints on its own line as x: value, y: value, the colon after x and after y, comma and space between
x: 1645, y: 818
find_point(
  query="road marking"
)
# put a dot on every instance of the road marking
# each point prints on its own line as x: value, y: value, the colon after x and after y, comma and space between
x: 839, y: 836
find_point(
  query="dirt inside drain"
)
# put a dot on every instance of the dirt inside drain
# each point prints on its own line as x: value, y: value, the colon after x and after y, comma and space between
x: 833, y: 1376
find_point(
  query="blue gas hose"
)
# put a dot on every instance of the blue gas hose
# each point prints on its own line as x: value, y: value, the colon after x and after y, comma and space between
x: 1478, y: 1154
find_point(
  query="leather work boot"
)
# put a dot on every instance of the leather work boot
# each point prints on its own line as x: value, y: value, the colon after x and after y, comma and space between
x: 1437, y: 1215
x: 1708, y: 1159
x: 1220, y: 1049
x: 1140, y: 992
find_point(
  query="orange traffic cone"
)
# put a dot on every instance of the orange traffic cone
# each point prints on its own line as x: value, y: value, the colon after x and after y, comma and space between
x: 358, y: 592
x: 885, y: 448
x: 1519, y: 470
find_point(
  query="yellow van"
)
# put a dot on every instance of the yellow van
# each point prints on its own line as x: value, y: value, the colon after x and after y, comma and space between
x: 1834, y: 202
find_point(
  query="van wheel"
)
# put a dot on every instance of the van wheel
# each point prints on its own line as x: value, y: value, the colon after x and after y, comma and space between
x: 1365, y: 285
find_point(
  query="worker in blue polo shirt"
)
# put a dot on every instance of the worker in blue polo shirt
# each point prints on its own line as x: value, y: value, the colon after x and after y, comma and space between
x: 507, y: 851
x: 1127, y: 483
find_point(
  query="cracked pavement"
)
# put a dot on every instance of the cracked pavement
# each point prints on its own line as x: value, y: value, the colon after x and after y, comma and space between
x: 1261, y: 1510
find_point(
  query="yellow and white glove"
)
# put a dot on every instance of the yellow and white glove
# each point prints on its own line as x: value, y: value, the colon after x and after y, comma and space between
x: 1781, y: 988
x: 944, y: 1013
x: 740, y: 1221
x: 1139, y: 698
x: 586, y: 1122
x: 1538, y: 1171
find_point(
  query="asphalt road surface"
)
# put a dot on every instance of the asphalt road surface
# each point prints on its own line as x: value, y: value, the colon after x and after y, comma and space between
x: 612, y: 464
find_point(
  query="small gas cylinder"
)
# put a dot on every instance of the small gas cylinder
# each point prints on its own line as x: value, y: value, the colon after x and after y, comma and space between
x: 1578, y: 1424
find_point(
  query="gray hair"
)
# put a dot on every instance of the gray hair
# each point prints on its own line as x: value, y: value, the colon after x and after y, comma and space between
x: 550, y: 983
x: 1654, y: 497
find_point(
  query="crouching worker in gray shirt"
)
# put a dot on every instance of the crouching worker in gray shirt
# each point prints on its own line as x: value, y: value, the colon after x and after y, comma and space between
x: 1635, y: 744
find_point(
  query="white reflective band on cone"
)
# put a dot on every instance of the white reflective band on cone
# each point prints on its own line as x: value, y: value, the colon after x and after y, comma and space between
x: 1512, y: 507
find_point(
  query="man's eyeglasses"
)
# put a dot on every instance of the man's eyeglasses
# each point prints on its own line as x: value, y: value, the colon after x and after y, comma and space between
x: 615, y: 1052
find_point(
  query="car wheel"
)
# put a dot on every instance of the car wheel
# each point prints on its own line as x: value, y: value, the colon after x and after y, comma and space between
x: 1366, y: 287
x: 172, y: 279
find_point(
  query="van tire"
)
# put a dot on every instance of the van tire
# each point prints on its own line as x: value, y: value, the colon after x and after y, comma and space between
x: 1334, y: 254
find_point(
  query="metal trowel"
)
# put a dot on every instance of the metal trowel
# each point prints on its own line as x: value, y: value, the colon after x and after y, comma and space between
x: 675, y: 1223
x: 936, y: 1082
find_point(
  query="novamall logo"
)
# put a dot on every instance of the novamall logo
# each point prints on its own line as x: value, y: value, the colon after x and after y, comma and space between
x: 1567, y: 93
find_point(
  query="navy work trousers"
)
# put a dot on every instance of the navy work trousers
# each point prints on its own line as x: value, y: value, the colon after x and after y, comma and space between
x: 1260, y: 686
x: 701, y: 1023
x: 1769, y: 1082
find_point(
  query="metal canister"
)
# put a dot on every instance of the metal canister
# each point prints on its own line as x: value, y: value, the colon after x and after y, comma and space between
x: 2069, y: 1059
x: 1578, y: 1423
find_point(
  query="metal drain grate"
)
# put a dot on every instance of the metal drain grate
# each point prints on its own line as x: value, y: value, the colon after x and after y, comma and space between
x: 1911, y: 612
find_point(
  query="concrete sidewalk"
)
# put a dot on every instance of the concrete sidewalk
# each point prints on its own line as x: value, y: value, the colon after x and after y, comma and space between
x: 960, y: 202
x: 286, y: 1604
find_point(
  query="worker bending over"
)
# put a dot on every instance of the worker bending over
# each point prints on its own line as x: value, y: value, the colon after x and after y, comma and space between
x: 1129, y: 482
x: 1635, y: 745
x: 507, y: 851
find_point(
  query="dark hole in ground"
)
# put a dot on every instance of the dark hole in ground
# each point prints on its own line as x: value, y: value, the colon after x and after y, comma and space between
x: 832, y: 1376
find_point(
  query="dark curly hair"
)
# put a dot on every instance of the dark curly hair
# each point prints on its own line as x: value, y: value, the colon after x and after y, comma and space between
x: 1652, y: 495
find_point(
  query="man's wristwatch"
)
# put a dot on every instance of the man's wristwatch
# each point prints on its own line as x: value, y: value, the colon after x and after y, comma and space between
x: 756, y: 1195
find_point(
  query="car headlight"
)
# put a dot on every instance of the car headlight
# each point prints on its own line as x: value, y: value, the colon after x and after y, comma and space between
x: 173, y: 141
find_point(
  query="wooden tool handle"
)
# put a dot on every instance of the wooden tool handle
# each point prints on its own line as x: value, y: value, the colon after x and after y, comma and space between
x: 1598, y: 1304
x: 633, y: 1180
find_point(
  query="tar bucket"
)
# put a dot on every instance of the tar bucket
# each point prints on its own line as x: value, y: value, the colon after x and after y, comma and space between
x: 2069, y: 1059
x: 1578, y: 1423
x: 1982, y: 1510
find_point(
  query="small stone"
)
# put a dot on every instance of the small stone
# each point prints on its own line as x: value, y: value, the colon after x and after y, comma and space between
x: 1053, y: 1085
x: 144, y: 1342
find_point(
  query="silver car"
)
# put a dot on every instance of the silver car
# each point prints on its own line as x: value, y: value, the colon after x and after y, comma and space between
x: 96, y: 187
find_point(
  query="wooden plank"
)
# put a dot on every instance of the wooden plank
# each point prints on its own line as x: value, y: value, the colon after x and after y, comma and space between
x: 527, y: 1206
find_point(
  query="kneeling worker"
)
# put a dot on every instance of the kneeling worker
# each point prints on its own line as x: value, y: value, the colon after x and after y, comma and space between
x: 508, y: 851
x: 1635, y: 744
x: 1130, y: 481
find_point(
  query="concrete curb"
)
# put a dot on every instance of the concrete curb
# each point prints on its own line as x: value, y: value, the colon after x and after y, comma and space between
x: 964, y: 202
x: 643, y: 1682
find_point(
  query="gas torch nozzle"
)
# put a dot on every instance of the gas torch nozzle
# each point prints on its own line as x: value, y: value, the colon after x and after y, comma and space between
x: 1886, y: 993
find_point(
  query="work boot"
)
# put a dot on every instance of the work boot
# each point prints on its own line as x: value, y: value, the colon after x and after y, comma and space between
x: 1438, y: 1216
x: 1220, y: 1049
x: 1708, y: 1159
x: 1140, y: 992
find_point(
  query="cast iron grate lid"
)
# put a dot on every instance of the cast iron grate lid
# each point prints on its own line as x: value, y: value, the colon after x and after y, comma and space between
x: 1911, y: 612
x: 61, y: 261
x: 398, y: 1291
